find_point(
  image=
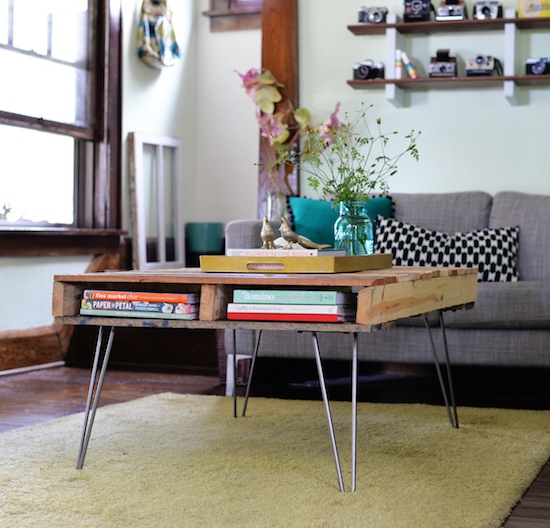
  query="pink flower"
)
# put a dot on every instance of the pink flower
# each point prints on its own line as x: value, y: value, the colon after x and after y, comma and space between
x: 326, y: 130
x: 271, y: 125
x: 333, y: 119
x: 251, y: 80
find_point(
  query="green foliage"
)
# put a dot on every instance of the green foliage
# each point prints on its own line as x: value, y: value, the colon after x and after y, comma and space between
x: 348, y: 161
x: 4, y: 211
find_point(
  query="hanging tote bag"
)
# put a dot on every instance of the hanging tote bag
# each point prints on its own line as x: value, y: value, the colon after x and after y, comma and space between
x: 157, y: 45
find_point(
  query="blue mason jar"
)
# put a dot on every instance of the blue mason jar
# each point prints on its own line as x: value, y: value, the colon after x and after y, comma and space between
x: 353, y: 231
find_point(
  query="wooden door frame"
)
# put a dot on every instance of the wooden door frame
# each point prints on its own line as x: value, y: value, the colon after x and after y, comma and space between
x: 280, y: 56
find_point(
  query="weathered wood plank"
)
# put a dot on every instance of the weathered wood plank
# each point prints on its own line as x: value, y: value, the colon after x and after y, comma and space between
x: 390, y: 302
x: 214, y: 299
x: 66, y: 298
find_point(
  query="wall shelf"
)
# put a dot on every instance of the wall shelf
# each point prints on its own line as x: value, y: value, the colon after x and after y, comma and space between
x: 450, y: 26
x: 450, y: 83
x: 395, y: 33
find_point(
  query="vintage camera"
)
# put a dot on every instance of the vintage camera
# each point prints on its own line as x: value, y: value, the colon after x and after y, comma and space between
x: 451, y: 10
x: 480, y: 65
x: 417, y: 10
x: 442, y: 65
x: 537, y: 66
x: 372, y: 15
x: 485, y: 10
x: 368, y: 69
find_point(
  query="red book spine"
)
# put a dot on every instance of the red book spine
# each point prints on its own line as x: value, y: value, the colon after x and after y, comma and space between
x: 292, y: 317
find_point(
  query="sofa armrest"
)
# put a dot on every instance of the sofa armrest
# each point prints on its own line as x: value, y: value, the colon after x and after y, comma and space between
x: 243, y: 234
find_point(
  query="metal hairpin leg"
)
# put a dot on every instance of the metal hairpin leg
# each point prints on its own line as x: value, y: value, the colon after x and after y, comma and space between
x: 326, y: 402
x: 89, y: 414
x: 234, y: 373
x: 353, y: 412
x: 327, y: 410
x: 251, y: 373
x: 447, y: 393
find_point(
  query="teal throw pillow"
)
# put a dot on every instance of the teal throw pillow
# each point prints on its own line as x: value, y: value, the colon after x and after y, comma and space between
x: 315, y: 219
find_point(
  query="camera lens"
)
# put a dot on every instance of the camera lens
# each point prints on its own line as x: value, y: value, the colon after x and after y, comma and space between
x: 538, y: 68
x: 416, y: 5
x: 486, y: 11
x: 480, y: 59
x: 363, y: 72
x: 375, y: 17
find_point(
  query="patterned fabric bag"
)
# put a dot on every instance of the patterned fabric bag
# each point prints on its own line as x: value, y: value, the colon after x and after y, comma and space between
x: 157, y: 44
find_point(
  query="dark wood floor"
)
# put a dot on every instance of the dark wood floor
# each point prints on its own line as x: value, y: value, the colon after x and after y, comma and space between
x: 42, y: 395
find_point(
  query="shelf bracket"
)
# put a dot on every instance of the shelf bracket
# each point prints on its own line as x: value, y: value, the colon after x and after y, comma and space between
x: 394, y: 41
x: 511, y: 90
x: 395, y: 95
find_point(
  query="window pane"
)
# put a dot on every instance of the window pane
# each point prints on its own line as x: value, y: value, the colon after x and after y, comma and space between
x: 43, y: 53
x: 4, y: 21
x: 37, y: 183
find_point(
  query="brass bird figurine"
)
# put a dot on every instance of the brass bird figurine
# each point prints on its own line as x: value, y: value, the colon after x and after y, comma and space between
x: 294, y: 238
x: 267, y: 234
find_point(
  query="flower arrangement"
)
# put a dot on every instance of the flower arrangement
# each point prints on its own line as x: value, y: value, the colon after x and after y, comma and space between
x: 345, y: 161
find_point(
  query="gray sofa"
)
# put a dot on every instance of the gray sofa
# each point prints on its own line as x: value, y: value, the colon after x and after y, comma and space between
x: 510, y: 324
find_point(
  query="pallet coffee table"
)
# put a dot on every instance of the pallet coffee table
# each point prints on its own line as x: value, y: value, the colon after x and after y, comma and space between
x: 383, y: 297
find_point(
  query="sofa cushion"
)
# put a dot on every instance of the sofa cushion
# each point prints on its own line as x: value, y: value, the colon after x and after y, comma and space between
x: 457, y: 212
x: 492, y: 251
x: 532, y: 213
x: 518, y: 305
x: 244, y: 233
x: 315, y: 219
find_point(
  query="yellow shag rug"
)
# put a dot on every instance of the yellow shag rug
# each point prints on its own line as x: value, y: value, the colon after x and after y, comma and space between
x: 183, y: 461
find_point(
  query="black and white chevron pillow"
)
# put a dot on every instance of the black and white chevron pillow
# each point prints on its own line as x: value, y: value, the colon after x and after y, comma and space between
x: 492, y: 251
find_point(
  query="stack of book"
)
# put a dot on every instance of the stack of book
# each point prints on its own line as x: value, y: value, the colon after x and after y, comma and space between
x: 149, y: 305
x: 320, y: 306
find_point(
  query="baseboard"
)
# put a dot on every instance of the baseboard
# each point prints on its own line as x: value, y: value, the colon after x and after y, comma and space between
x: 29, y: 347
x: 32, y: 368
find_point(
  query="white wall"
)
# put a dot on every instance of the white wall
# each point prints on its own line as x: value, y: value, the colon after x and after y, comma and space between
x: 227, y: 132
x: 161, y: 102
x: 471, y: 139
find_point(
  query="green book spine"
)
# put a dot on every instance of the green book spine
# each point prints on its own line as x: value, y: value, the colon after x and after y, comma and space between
x: 292, y: 297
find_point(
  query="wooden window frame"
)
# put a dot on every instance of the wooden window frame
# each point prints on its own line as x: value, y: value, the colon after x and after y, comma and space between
x: 99, y: 222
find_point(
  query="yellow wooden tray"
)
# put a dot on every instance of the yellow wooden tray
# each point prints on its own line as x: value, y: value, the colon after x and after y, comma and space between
x: 224, y: 264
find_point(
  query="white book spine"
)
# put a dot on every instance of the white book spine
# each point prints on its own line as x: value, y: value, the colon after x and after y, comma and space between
x: 235, y: 252
x: 398, y: 65
x: 407, y: 63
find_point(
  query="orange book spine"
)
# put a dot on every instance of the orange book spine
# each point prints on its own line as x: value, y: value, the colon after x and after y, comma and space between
x: 103, y: 295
